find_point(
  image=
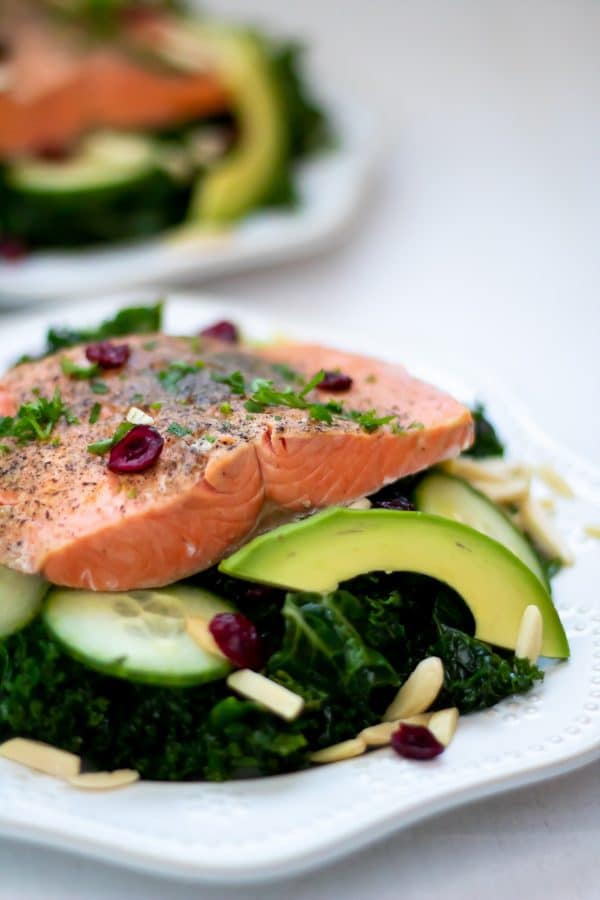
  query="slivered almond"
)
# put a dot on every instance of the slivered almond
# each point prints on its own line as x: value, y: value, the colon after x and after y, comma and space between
x: 362, y: 503
x: 514, y: 490
x: 275, y: 697
x: 495, y: 470
x: 529, y: 639
x: 198, y: 630
x: 593, y: 531
x: 104, y: 781
x: 554, y: 480
x: 418, y: 692
x: 542, y: 531
x: 381, y: 734
x: 137, y: 416
x: 41, y: 757
x: 442, y: 724
x: 338, y: 752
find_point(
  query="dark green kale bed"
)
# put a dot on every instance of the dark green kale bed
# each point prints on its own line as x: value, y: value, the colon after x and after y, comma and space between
x: 345, y: 652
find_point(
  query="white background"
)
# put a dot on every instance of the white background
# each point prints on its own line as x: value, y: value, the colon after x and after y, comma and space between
x: 479, y: 244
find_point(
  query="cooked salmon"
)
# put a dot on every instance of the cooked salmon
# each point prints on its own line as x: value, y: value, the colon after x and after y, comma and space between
x: 224, y: 474
x: 55, y: 86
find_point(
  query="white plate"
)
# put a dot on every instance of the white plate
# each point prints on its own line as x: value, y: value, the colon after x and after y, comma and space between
x: 254, y: 830
x: 331, y: 186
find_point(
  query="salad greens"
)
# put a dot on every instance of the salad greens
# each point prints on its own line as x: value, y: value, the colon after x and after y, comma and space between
x: 344, y: 652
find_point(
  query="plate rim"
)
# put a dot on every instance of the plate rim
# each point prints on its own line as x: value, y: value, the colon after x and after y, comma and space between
x: 296, y: 860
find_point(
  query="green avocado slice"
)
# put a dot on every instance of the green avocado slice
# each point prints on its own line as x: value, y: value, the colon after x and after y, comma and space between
x: 243, y: 178
x: 320, y: 552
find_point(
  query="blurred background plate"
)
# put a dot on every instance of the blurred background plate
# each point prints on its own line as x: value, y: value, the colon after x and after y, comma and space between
x: 331, y: 185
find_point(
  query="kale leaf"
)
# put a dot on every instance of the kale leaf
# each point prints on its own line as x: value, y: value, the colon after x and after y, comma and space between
x: 487, y: 441
x: 475, y: 676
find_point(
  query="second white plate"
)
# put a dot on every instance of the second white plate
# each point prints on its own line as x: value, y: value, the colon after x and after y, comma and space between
x: 331, y: 187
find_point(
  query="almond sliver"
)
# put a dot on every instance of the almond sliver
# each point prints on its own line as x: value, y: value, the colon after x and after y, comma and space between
x: 515, y: 490
x: 104, y: 781
x: 337, y: 752
x: 555, y: 480
x: 275, y: 697
x: 41, y: 757
x: 381, y: 734
x: 418, y: 692
x: 537, y: 524
x: 529, y: 639
x: 137, y: 416
x: 198, y: 630
x: 494, y: 470
x: 442, y: 724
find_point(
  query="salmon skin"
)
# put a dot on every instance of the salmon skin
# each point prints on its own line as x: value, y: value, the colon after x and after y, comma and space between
x: 59, y: 86
x: 224, y: 473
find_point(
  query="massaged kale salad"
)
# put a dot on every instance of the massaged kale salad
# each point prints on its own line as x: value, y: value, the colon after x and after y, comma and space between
x: 120, y: 119
x: 347, y: 657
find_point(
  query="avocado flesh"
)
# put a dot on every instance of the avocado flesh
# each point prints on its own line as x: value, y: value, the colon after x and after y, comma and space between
x: 338, y: 544
x: 242, y: 179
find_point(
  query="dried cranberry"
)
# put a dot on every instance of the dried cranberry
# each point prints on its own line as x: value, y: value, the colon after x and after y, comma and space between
x: 12, y: 249
x: 401, y: 503
x: 222, y: 331
x: 107, y: 355
x: 137, y: 451
x: 416, y: 742
x: 238, y: 639
x: 335, y: 381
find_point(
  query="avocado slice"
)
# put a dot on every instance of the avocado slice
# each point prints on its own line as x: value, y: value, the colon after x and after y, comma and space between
x: 323, y: 550
x: 445, y: 495
x: 244, y: 177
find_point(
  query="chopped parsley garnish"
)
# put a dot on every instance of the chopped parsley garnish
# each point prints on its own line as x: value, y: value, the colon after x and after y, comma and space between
x: 287, y: 373
x: 95, y: 413
x: 137, y: 399
x: 78, y: 372
x: 35, y: 421
x: 156, y: 406
x: 99, y: 387
x: 225, y: 409
x: 131, y: 320
x: 4, y: 448
x: 211, y: 438
x: 99, y: 448
x: 149, y: 345
x: 178, y: 430
x: 175, y: 371
x: 263, y: 394
x: 235, y: 381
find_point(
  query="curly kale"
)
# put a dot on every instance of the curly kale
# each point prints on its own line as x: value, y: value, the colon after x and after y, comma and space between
x: 487, y: 441
x: 345, y: 652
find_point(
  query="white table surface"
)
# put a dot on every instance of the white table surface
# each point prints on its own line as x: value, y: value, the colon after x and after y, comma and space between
x: 479, y: 244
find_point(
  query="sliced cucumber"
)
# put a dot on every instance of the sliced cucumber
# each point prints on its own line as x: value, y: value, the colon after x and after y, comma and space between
x: 102, y: 160
x: 445, y: 495
x: 138, y: 635
x: 20, y: 599
x: 112, y: 187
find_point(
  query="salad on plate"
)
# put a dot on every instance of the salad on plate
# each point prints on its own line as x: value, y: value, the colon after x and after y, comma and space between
x: 121, y: 119
x: 223, y: 559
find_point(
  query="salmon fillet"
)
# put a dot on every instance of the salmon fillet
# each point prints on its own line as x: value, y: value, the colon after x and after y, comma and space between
x: 64, y: 514
x: 57, y: 88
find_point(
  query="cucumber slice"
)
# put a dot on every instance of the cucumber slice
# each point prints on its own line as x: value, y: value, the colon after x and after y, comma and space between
x: 20, y: 599
x: 103, y: 160
x: 445, y: 495
x: 137, y: 635
x: 113, y: 187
